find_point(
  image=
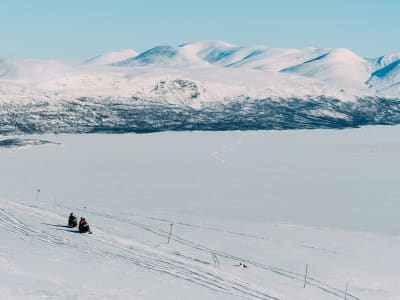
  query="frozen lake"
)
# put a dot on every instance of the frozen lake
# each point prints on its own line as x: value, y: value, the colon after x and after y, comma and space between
x: 276, y: 200
x: 342, y: 179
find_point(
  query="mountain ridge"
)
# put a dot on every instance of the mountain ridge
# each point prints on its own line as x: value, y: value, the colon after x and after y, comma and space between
x: 205, y: 76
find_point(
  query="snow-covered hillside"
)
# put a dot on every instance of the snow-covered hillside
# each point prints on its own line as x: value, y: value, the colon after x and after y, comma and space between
x: 274, y: 200
x: 333, y: 85
x: 112, y: 57
x: 129, y: 257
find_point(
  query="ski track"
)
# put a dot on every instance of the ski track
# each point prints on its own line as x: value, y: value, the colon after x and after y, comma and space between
x: 323, y: 286
x: 225, y: 231
x: 139, y: 255
x: 218, y: 156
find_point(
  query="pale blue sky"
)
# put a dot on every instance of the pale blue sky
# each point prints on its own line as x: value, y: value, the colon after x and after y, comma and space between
x: 79, y: 29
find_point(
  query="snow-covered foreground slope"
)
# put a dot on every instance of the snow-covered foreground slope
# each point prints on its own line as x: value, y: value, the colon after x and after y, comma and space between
x: 273, y: 200
x: 128, y: 257
x: 202, y: 85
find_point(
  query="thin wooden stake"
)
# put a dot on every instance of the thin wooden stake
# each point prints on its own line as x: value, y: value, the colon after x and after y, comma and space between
x: 170, y: 231
x: 215, y: 260
x: 305, y: 276
x: 345, y: 294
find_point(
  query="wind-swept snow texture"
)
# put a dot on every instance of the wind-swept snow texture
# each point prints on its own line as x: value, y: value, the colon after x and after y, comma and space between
x: 206, y: 85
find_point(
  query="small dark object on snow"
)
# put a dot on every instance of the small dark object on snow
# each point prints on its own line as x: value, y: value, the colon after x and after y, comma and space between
x: 72, y: 220
x: 84, y: 226
x: 243, y: 265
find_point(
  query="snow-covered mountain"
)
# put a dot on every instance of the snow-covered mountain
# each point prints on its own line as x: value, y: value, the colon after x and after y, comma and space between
x: 187, y: 82
x: 112, y: 57
x: 338, y: 67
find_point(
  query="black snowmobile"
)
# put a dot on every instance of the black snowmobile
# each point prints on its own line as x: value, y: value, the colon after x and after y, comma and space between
x: 84, y: 226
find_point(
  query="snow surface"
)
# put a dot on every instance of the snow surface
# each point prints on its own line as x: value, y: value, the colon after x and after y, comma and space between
x: 112, y: 57
x: 274, y: 200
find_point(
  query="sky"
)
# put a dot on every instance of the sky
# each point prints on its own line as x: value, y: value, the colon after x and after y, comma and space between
x: 80, y: 29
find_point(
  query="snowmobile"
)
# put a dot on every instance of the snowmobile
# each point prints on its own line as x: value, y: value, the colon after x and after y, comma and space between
x: 72, y: 221
x: 84, y: 226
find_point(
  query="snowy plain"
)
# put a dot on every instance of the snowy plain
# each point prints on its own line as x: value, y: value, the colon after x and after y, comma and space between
x: 275, y: 200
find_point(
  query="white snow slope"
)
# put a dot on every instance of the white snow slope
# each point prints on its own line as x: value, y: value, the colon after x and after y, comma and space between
x: 221, y: 71
x: 273, y: 200
x: 112, y: 57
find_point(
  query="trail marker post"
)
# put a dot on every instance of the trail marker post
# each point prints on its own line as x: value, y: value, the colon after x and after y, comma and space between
x: 305, y: 276
x: 215, y: 260
x: 345, y: 294
x: 170, y: 231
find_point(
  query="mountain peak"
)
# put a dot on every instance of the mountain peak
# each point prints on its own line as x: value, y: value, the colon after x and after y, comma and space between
x: 204, y: 44
x: 221, y: 71
x: 344, y: 55
x: 112, y: 57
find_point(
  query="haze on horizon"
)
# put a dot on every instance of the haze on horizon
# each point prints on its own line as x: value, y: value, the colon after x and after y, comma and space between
x: 83, y: 29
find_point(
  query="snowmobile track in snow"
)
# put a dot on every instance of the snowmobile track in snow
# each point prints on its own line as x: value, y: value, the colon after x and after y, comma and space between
x: 323, y: 286
x: 103, y: 244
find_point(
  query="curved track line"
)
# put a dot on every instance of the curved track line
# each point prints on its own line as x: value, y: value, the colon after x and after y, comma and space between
x: 323, y: 286
x: 136, y: 254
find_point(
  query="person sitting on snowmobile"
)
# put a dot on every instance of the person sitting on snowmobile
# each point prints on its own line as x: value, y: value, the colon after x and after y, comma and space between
x: 84, y: 226
x: 72, y: 220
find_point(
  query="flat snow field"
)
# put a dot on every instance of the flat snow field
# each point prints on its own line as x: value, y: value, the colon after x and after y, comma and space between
x: 274, y: 200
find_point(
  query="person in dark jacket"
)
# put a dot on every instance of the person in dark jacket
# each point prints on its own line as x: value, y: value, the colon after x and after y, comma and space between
x: 84, y: 226
x: 72, y: 220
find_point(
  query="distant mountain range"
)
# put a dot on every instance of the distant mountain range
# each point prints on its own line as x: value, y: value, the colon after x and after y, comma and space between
x: 205, y: 85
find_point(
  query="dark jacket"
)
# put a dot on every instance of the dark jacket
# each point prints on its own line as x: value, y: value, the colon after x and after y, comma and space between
x: 83, y: 226
x: 72, y: 221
